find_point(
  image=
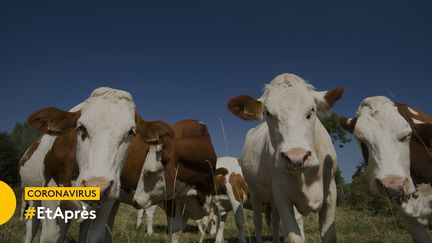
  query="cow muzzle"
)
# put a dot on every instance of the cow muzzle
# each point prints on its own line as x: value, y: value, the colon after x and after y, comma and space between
x: 296, y: 158
x: 104, y: 185
x: 394, y: 187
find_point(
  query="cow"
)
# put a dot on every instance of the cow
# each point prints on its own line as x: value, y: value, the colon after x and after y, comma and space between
x: 289, y: 160
x: 177, y: 174
x: 396, y: 140
x: 231, y: 194
x: 84, y: 147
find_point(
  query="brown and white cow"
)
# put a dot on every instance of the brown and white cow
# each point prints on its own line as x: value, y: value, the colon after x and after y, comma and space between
x: 84, y: 147
x: 178, y: 175
x: 289, y: 160
x: 396, y: 143
x: 231, y: 194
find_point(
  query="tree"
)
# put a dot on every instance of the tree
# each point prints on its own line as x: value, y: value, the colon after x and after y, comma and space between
x: 362, y: 199
x: 337, y: 134
x: 8, y: 160
x: 22, y: 137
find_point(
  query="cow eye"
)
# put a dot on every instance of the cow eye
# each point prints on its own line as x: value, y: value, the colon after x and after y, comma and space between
x: 310, y: 113
x: 132, y: 132
x: 82, y: 130
x: 267, y: 113
x: 405, y: 138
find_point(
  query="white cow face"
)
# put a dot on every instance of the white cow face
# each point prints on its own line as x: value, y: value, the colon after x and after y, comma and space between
x: 289, y: 105
x: 153, y: 180
x: 155, y: 185
x: 105, y: 124
x: 384, y: 136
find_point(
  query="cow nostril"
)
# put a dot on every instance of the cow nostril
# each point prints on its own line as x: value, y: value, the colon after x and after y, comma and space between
x: 83, y: 183
x: 285, y: 156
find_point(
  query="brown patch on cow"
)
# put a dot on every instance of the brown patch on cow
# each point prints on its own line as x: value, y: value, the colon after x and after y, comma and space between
x: 409, y: 116
x: 60, y: 161
x: 220, y: 181
x: 347, y: 124
x: 132, y: 168
x: 420, y: 144
x: 334, y: 95
x: 246, y: 107
x: 221, y: 172
x: 28, y: 154
x: 53, y: 121
x: 239, y: 162
x: 155, y: 132
x: 239, y: 187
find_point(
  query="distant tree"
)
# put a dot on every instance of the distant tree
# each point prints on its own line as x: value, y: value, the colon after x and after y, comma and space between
x: 361, y: 198
x: 8, y: 160
x: 337, y: 134
x: 23, y: 136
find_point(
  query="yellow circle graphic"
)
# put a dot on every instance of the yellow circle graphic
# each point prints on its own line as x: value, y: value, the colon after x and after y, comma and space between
x: 7, y: 202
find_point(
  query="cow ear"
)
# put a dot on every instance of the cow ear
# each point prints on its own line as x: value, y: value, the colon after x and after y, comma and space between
x: 53, y: 121
x: 155, y: 132
x: 347, y: 124
x: 325, y: 100
x: 246, y: 107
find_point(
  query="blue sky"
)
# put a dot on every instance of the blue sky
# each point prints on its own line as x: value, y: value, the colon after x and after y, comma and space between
x: 185, y: 59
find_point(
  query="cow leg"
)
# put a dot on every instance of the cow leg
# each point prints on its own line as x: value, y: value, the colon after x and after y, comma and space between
x: 327, y: 215
x: 84, y: 228
x: 50, y: 227
x: 140, y: 215
x: 237, y: 208
x: 275, y: 223
x: 98, y: 228
x: 418, y: 232
x: 149, y: 218
x: 32, y: 225
x: 257, y: 219
x: 285, y: 209
x: 110, y: 223
x: 177, y: 224
x: 63, y: 231
x: 299, y: 219
x: 220, y: 231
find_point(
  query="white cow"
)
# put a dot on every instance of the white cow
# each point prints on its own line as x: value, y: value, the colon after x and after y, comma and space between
x: 84, y: 147
x: 289, y: 160
x: 395, y: 140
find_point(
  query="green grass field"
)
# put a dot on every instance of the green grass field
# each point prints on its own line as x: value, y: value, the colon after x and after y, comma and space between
x: 352, y: 226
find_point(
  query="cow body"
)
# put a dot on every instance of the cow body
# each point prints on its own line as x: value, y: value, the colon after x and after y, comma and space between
x: 395, y: 140
x: 289, y: 161
x: 177, y: 175
x: 84, y: 147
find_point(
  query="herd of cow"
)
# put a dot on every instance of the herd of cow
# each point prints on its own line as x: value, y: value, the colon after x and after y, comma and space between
x: 287, y: 167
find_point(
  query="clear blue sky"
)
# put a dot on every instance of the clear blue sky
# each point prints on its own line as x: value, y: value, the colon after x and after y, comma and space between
x: 185, y: 59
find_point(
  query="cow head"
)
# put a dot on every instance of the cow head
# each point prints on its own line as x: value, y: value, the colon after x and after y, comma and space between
x: 289, y: 106
x: 105, y: 124
x: 384, y: 136
x: 152, y: 178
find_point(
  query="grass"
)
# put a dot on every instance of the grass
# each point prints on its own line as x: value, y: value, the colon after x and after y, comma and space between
x: 352, y: 226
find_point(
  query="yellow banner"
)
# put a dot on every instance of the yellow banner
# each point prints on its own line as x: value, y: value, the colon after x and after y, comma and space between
x: 61, y: 193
